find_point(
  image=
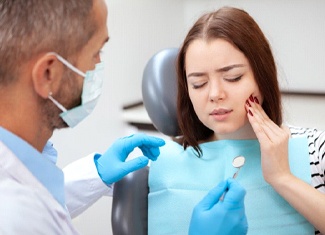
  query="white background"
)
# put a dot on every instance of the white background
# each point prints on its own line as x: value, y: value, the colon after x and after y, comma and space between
x: 140, y: 28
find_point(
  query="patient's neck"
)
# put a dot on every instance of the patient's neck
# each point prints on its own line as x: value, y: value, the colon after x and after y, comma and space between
x: 244, y: 133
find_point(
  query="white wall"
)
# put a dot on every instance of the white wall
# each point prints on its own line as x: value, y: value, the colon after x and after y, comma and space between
x: 295, y: 29
x: 140, y: 28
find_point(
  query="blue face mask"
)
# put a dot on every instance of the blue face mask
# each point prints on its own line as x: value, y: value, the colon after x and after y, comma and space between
x: 91, y: 91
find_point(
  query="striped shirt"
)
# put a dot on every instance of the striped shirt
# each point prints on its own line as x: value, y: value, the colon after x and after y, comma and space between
x: 316, y: 146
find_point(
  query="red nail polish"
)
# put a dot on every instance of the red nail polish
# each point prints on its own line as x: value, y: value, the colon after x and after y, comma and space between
x: 256, y: 100
x: 247, y: 102
x: 250, y: 113
x: 251, y: 98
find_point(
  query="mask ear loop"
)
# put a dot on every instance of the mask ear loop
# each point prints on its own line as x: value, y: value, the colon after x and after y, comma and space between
x: 63, y: 109
x: 67, y: 63
x: 70, y: 66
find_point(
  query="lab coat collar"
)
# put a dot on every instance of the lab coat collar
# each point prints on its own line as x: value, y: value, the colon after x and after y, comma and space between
x: 43, y: 168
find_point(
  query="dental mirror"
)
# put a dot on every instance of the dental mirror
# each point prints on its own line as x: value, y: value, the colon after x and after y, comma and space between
x: 237, y: 162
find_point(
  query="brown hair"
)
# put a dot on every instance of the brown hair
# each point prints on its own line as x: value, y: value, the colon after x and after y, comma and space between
x: 30, y: 27
x: 239, y: 28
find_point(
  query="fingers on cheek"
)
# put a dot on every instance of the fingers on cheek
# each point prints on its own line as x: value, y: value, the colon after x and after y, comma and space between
x: 252, y: 105
x: 248, y: 108
x: 256, y: 100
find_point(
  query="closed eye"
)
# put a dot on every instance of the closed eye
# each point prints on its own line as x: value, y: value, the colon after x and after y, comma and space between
x: 234, y: 79
x: 197, y: 86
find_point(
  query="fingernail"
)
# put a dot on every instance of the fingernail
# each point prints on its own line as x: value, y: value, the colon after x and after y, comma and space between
x: 250, y: 113
x: 256, y: 100
x: 251, y: 98
x: 247, y: 102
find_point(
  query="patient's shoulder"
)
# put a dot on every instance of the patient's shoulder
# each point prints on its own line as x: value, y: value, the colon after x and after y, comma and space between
x: 172, y: 146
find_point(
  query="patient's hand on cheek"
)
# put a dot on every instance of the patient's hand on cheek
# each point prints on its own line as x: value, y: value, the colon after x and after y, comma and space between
x: 273, y: 141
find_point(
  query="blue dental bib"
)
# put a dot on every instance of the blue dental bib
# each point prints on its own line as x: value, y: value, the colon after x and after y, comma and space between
x: 178, y: 180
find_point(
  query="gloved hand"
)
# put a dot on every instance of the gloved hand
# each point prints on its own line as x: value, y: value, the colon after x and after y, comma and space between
x: 227, y: 217
x: 112, y: 167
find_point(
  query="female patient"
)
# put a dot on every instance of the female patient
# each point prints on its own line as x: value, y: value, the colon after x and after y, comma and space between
x: 229, y: 104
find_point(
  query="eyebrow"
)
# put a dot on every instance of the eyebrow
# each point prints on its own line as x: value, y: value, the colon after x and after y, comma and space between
x: 227, y: 68
x: 106, y: 40
x: 223, y: 69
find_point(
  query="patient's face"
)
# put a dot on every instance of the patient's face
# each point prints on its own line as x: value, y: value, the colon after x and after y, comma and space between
x: 220, y: 80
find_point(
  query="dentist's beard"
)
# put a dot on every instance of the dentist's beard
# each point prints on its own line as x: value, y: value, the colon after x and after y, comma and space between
x: 51, y: 113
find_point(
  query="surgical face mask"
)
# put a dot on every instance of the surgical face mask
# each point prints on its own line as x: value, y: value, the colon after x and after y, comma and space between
x: 92, y: 87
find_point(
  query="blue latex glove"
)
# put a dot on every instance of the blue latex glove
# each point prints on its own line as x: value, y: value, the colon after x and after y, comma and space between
x: 227, y: 217
x: 112, y: 167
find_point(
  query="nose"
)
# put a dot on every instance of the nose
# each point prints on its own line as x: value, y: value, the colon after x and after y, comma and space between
x: 216, y: 91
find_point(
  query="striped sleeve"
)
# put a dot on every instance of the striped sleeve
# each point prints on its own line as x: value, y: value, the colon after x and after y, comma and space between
x: 316, y: 146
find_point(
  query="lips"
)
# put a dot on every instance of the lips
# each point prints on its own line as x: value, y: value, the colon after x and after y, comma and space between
x: 221, y: 114
x: 220, y: 111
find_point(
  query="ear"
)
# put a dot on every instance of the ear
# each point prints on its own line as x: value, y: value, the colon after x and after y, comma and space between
x: 47, y: 74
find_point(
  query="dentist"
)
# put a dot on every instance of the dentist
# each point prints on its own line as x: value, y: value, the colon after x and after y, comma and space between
x: 50, y: 79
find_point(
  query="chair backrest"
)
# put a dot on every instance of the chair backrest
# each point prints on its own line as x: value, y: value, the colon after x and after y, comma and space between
x: 130, y: 204
x: 159, y: 91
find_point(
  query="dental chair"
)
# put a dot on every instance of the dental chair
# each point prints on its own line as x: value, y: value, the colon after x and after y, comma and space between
x: 159, y: 91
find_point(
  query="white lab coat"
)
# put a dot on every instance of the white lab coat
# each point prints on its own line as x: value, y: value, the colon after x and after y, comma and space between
x: 83, y: 186
x: 26, y: 206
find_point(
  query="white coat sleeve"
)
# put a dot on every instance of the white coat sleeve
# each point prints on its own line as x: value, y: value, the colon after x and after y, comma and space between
x: 83, y: 185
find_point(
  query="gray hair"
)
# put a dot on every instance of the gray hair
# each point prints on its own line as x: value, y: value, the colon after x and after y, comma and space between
x: 31, y: 27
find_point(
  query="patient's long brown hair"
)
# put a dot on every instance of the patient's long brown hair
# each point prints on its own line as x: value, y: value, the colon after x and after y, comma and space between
x: 239, y: 28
